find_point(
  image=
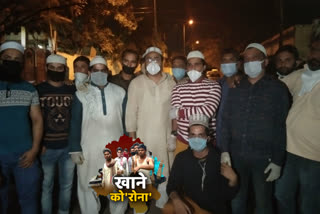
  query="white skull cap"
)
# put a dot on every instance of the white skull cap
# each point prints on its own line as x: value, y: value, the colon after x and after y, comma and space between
x: 257, y: 46
x: 199, y: 119
x: 152, y: 49
x: 195, y: 54
x: 55, y: 58
x: 98, y: 60
x: 12, y: 45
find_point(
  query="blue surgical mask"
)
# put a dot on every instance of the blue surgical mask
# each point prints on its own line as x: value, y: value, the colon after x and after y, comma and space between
x: 229, y: 69
x: 178, y: 73
x: 253, y: 69
x: 197, y: 144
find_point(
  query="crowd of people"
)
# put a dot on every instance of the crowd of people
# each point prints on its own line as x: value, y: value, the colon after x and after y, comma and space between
x: 254, y: 131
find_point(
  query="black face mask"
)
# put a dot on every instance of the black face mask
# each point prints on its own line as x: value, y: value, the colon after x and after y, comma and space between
x: 56, y: 76
x: 133, y: 153
x: 128, y: 70
x: 313, y: 64
x: 10, y: 71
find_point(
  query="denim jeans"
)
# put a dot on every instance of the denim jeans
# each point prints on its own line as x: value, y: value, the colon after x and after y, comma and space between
x: 252, y: 170
x: 50, y: 159
x: 27, y: 183
x: 299, y: 175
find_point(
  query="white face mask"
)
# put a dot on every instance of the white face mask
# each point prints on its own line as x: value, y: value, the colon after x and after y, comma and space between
x: 99, y: 78
x: 229, y: 69
x: 194, y: 75
x: 153, y: 68
x: 80, y: 78
x: 253, y: 69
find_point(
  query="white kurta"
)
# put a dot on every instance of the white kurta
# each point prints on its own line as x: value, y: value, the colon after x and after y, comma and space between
x: 147, y: 114
x: 97, y: 131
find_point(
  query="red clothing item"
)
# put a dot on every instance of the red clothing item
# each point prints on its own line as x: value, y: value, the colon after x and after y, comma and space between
x: 192, y: 98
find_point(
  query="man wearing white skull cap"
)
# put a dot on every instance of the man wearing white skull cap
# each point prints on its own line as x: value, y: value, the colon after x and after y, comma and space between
x: 147, y: 114
x: 20, y: 131
x: 55, y: 99
x: 198, y: 95
x: 96, y: 121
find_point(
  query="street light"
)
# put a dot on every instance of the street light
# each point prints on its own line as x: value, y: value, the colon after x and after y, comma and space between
x: 197, y: 42
x: 190, y: 22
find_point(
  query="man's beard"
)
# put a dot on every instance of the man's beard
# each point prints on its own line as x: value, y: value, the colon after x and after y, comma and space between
x: 10, y: 71
x: 285, y: 71
x: 313, y: 64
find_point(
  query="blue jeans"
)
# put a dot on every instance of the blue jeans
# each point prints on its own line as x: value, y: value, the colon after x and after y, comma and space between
x: 27, y: 183
x: 299, y: 175
x: 252, y: 170
x: 50, y: 159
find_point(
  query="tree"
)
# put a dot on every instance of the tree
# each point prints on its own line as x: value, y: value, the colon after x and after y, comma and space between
x: 103, y: 24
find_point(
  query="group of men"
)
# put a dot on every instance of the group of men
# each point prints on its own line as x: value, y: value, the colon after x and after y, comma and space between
x: 214, y: 138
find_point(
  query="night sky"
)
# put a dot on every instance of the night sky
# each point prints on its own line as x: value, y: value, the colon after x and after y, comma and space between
x: 235, y: 22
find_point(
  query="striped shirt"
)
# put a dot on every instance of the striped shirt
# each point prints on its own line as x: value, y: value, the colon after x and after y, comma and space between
x: 192, y: 98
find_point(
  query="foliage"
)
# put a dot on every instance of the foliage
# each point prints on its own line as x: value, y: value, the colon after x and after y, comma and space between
x: 103, y: 24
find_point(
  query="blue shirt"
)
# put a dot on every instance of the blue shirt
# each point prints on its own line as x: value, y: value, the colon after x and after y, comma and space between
x: 15, y: 127
x: 254, y: 120
x: 224, y: 93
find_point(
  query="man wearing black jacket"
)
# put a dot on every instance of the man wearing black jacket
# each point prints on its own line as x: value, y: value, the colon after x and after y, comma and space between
x: 198, y: 183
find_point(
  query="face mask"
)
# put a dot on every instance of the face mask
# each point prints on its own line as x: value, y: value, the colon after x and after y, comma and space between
x: 133, y: 153
x: 197, y: 144
x: 10, y: 71
x: 128, y: 70
x: 194, y: 75
x: 253, y: 69
x: 178, y: 73
x: 153, y: 68
x: 99, y: 78
x: 80, y: 78
x: 229, y: 69
x: 56, y: 76
x: 313, y: 64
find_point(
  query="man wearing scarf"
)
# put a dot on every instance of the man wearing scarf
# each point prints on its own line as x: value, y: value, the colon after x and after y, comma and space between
x: 302, y: 168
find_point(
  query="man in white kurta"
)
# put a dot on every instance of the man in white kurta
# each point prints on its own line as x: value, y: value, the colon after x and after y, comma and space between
x: 147, y: 113
x: 96, y: 121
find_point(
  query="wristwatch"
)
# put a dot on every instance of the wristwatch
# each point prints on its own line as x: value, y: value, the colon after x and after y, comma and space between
x: 174, y: 133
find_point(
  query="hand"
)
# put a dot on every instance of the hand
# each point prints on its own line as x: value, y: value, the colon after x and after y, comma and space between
x: 77, y: 158
x: 234, y: 81
x: 173, y: 114
x: 135, y: 169
x: 225, y: 158
x: 27, y: 159
x: 171, y: 143
x: 229, y: 174
x: 275, y: 172
x: 180, y: 207
x: 43, y: 150
x: 111, y: 164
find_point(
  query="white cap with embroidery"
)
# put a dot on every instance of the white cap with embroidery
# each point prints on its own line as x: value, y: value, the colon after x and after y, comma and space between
x: 195, y: 54
x: 55, y: 58
x: 12, y: 45
x: 257, y: 46
x: 98, y: 60
x: 199, y: 119
x: 152, y: 49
